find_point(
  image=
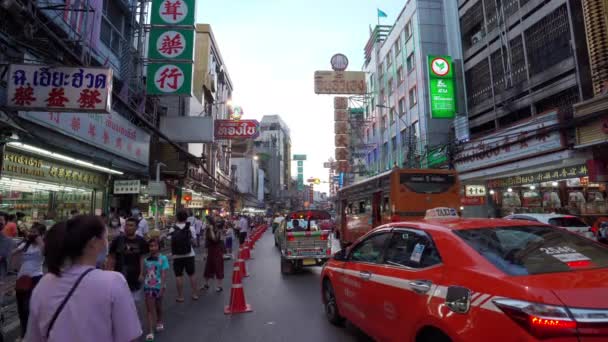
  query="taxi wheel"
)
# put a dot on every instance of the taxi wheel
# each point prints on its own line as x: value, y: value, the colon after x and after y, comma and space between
x: 331, y: 306
x: 431, y: 334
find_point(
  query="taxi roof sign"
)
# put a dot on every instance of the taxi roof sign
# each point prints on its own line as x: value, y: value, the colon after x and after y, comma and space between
x: 442, y: 212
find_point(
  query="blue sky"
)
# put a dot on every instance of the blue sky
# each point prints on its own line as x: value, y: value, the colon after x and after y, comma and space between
x: 272, y: 48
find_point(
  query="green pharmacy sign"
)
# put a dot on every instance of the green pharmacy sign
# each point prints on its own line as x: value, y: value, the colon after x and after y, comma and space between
x: 169, y: 79
x: 171, y: 44
x: 173, y: 12
x: 442, y: 89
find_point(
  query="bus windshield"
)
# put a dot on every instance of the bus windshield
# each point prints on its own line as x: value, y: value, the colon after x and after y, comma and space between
x: 427, y: 183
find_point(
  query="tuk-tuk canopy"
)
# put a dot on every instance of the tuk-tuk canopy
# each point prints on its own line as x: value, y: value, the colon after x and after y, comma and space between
x: 315, y: 215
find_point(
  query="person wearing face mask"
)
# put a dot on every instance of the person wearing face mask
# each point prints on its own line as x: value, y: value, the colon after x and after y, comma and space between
x: 126, y: 256
x: 30, y: 272
x: 114, y: 228
x: 75, y: 301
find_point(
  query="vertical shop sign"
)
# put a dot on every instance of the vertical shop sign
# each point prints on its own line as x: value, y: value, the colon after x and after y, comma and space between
x: 171, y: 48
x: 442, y: 91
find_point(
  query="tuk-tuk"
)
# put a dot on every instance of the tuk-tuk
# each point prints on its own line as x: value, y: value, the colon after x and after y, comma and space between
x: 301, y: 240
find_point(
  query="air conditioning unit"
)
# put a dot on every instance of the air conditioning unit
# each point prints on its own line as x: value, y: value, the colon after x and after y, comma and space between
x: 476, y: 38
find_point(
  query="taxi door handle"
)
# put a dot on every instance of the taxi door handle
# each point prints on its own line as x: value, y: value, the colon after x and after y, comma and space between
x: 420, y: 286
x: 365, y: 275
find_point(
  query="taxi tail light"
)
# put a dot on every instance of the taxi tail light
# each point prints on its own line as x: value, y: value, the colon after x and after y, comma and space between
x: 291, y: 238
x: 323, y: 237
x: 540, y: 320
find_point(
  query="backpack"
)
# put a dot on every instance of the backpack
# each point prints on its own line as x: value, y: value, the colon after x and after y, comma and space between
x: 181, y: 240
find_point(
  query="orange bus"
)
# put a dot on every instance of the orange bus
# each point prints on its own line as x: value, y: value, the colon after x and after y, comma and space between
x: 396, y: 195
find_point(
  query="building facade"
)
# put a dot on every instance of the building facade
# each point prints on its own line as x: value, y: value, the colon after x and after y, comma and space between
x: 57, y: 161
x: 526, y: 66
x: 273, y: 148
x: 397, y: 128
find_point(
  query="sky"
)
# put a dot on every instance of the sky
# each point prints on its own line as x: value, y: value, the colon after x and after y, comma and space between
x: 272, y: 48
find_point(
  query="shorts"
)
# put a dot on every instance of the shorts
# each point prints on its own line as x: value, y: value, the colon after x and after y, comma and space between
x: 152, y: 293
x: 228, y: 242
x: 181, y: 264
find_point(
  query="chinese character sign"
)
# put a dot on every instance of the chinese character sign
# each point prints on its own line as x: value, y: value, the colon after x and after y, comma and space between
x: 442, y: 90
x: 110, y: 132
x: 169, y: 79
x: 59, y: 89
x: 167, y: 44
x: 173, y: 12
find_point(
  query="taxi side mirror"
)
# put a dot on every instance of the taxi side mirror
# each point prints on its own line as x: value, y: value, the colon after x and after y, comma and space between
x: 458, y: 299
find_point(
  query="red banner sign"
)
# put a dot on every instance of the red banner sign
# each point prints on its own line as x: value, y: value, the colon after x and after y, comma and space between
x: 233, y: 129
x: 471, y: 201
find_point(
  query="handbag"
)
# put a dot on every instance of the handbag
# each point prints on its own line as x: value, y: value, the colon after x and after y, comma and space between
x: 65, y: 300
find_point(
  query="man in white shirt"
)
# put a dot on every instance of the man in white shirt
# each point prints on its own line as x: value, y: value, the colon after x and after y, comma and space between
x: 243, y: 229
x: 142, y: 224
x: 198, y: 228
x: 183, y: 260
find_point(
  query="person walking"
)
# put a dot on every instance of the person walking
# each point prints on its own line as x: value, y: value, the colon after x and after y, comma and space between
x: 214, y: 267
x: 229, y: 236
x: 182, y: 239
x: 243, y: 229
x: 198, y: 227
x: 7, y: 245
x: 30, y: 272
x: 155, y: 282
x: 126, y: 256
x: 10, y: 229
x: 75, y: 301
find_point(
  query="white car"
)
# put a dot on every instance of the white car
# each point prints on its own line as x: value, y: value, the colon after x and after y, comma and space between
x: 569, y: 222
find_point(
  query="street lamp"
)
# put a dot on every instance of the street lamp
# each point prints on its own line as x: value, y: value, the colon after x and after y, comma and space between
x: 256, y: 157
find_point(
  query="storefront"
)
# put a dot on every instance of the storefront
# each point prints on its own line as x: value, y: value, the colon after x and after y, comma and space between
x: 566, y: 190
x: 528, y: 168
x: 47, y: 188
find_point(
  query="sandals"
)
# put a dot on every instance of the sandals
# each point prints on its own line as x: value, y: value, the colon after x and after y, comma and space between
x: 194, y: 297
x: 160, y: 327
x: 150, y: 337
x: 204, y: 287
x: 179, y: 299
x: 219, y: 289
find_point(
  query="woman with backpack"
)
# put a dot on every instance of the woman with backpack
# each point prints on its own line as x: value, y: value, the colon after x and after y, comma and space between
x: 183, y: 237
x: 215, y: 254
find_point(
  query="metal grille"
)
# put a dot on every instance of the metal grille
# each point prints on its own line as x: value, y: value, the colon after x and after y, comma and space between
x: 548, y: 41
x: 562, y: 101
x: 478, y: 83
x: 518, y: 61
x: 491, y: 14
x: 499, y: 62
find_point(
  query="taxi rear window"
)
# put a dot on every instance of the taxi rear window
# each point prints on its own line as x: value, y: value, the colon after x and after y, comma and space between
x: 528, y: 250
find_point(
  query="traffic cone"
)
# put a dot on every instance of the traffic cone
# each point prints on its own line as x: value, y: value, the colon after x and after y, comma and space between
x: 237, y: 273
x: 246, y: 254
x: 238, y: 304
x: 240, y: 263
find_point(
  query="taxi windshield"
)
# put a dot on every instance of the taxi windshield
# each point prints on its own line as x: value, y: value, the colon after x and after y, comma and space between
x: 529, y: 250
x: 302, y: 224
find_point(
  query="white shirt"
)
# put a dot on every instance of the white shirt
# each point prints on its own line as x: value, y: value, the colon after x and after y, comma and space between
x: 198, y: 226
x: 192, y: 231
x: 243, y: 225
x: 142, y: 227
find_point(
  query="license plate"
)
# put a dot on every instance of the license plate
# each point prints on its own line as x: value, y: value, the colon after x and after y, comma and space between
x: 308, y: 262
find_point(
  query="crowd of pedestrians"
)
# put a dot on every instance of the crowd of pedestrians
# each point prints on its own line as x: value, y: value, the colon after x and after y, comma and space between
x: 100, y: 269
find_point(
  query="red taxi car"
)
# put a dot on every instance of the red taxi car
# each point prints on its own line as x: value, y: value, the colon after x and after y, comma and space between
x: 453, y: 279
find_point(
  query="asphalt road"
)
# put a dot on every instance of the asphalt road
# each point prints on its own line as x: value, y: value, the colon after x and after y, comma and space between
x: 286, y: 308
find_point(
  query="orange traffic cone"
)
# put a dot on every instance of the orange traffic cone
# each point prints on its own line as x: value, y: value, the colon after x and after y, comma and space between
x: 246, y: 254
x: 237, y: 273
x: 240, y: 263
x: 238, y: 304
